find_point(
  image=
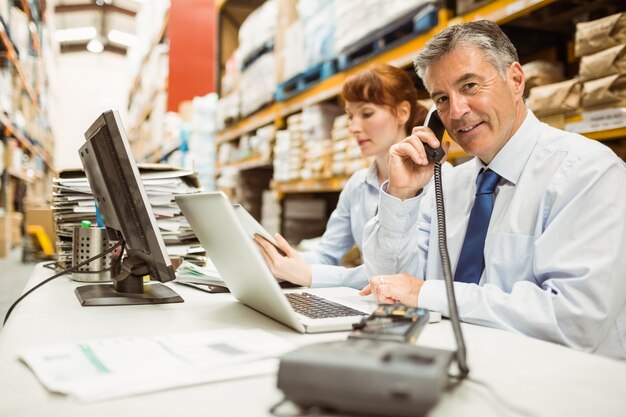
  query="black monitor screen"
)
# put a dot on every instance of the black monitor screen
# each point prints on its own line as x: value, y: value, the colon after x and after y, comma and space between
x: 122, y: 200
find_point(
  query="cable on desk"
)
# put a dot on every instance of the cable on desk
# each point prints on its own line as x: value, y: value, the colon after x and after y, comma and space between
x: 507, y: 405
x: 51, y: 265
x: 66, y: 271
x: 304, y: 411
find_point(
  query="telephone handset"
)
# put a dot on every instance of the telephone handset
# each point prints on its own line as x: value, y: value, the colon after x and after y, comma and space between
x: 433, y: 121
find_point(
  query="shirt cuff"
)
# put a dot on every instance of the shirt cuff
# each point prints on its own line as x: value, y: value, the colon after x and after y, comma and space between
x: 394, y: 214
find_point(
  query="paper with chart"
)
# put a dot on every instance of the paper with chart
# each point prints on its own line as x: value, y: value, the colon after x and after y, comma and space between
x: 118, y: 367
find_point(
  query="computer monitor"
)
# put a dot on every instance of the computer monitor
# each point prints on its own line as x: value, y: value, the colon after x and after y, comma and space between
x: 121, y: 198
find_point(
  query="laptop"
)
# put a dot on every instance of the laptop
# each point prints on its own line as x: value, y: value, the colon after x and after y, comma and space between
x: 242, y: 267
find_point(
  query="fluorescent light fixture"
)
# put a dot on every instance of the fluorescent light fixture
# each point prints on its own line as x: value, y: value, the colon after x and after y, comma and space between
x: 95, y: 46
x: 122, y: 38
x: 75, y: 34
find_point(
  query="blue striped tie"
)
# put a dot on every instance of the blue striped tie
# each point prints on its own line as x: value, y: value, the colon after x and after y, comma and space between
x: 472, y: 260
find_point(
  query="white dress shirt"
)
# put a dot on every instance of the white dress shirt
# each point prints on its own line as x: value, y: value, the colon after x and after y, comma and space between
x: 555, y: 251
x: 356, y: 206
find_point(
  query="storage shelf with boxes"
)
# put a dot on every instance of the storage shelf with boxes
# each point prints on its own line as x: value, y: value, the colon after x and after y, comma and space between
x: 26, y: 142
x: 542, y: 30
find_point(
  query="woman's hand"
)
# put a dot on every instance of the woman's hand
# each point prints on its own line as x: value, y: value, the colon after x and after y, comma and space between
x: 398, y: 288
x: 288, y: 265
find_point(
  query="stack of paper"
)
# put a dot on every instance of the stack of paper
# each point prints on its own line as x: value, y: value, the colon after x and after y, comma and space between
x: 73, y: 202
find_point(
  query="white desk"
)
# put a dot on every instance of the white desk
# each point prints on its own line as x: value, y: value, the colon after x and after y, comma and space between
x: 535, y: 378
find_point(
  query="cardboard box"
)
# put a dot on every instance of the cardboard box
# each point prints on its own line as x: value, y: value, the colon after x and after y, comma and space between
x: 541, y: 73
x: 605, y: 92
x: 601, y: 64
x: 600, y: 34
x: 563, y: 97
x: 15, y: 232
x: 4, y: 235
x: 42, y: 216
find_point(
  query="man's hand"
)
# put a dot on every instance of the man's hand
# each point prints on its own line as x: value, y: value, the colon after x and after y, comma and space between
x: 398, y: 288
x: 409, y: 167
x: 288, y: 265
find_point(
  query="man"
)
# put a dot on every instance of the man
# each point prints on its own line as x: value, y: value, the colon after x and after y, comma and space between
x: 554, y: 259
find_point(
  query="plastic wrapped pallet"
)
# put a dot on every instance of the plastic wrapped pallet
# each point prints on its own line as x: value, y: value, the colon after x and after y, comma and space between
x: 318, y: 23
x: 600, y: 34
x: 563, y: 97
x: 601, y: 64
x: 230, y: 77
x: 355, y: 19
x: 258, y: 29
x: 289, y: 41
x: 294, y: 61
x: 228, y: 109
x: 258, y: 83
x: 605, y: 92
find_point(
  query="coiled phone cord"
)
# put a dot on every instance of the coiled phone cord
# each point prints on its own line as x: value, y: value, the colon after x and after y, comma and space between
x: 461, y: 352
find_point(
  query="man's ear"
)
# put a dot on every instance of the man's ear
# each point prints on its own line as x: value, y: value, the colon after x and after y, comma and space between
x: 517, y: 79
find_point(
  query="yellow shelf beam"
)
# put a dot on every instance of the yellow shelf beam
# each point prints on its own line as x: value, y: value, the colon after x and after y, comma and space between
x: 310, y: 185
x: 261, y: 118
x: 610, y: 134
x: 249, y: 163
x: 501, y: 11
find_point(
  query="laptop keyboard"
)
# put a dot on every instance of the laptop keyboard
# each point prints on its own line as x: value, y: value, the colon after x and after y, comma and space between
x: 318, y: 308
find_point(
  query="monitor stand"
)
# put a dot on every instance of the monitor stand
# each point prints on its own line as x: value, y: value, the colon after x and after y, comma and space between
x: 128, y: 288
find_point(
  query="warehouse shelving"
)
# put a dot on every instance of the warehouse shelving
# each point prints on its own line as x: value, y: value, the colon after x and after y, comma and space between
x: 26, y: 135
x: 500, y: 11
x: 25, y: 85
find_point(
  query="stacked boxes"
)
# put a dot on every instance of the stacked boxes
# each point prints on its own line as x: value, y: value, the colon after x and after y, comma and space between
x: 257, y: 145
x: 601, y: 44
x: 287, y: 151
x: 317, y: 124
x: 303, y: 150
x: 271, y: 211
x: 558, y: 98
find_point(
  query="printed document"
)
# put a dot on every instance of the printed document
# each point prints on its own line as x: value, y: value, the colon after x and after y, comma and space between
x: 111, y: 368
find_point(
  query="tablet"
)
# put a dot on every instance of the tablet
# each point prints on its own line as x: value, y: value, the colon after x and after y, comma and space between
x: 251, y: 226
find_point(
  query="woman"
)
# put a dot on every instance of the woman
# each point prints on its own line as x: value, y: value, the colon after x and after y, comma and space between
x: 382, y: 108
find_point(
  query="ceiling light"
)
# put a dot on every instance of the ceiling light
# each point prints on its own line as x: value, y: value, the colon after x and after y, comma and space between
x: 95, y: 46
x: 122, y: 38
x: 75, y: 34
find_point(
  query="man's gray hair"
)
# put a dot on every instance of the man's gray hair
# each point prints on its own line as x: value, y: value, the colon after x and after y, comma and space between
x: 483, y: 34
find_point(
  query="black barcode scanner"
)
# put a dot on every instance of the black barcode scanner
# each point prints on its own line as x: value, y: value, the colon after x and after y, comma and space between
x: 433, y: 121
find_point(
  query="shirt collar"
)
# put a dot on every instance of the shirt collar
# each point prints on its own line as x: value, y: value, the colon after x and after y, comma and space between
x: 371, y: 176
x: 510, y: 160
